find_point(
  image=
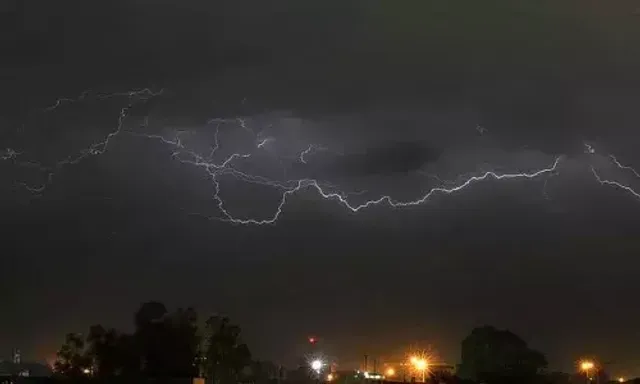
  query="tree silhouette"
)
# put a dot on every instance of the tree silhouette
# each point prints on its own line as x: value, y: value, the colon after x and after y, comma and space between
x: 71, y: 360
x: 559, y: 378
x: 181, y: 331
x: 149, y: 337
x: 163, y: 345
x: 129, y: 356
x: 226, y: 355
x: 103, y: 351
x: 496, y: 356
x: 264, y: 372
x: 168, y: 342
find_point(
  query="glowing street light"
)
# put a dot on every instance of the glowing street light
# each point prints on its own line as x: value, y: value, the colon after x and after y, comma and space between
x: 317, y: 365
x: 621, y: 380
x: 586, y: 365
x: 420, y: 364
x: 390, y: 372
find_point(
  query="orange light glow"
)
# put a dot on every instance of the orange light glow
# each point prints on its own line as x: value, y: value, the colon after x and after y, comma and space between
x: 421, y: 364
x: 586, y: 365
x: 391, y: 372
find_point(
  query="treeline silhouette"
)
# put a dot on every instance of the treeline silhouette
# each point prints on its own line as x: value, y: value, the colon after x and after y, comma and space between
x: 175, y: 347
x: 164, y: 345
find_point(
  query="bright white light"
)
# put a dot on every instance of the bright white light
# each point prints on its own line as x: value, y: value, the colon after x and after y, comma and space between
x: 316, y: 365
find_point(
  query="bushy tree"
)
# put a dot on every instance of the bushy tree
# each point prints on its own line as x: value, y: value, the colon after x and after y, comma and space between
x: 71, y: 359
x: 495, y: 356
x: 225, y: 353
x: 168, y: 342
x: 103, y: 350
x: 263, y: 372
x: 164, y: 345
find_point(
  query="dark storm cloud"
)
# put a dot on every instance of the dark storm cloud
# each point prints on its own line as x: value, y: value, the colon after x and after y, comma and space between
x: 389, y: 87
x: 393, y: 158
x: 526, y: 83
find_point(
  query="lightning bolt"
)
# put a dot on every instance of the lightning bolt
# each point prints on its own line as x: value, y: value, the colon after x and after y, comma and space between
x: 617, y: 184
x: 291, y: 187
x: 612, y: 183
x: 66, y: 100
x: 310, y: 149
x: 386, y: 199
x: 624, y: 167
x: 227, y: 166
x: 589, y: 149
x: 95, y: 149
x: 264, y: 142
x: 142, y: 93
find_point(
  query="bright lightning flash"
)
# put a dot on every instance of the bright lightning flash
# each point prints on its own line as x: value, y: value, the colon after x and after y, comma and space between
x: 310, y: 149
x: 286, y: 188
x: 614, y: 183
x: 95, y: 149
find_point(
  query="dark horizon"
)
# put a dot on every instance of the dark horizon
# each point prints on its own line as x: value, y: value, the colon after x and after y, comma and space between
x: 363, y: 99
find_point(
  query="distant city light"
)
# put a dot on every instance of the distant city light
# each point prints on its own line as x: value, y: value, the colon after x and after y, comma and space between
x: 312, y: 340
x: 86, y: 371
x: 391, y: 372
x: 330, y: 377
x: 586, y: 365
x: 316, y: 365
x: 372, y: 376
x: 420, y: 364
x: 621, y: 379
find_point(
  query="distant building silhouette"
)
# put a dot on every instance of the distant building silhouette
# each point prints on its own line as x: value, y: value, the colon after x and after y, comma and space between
x: 16, y: 368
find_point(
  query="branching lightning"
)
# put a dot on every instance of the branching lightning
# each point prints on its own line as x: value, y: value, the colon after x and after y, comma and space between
x: 624, y: 167
x: 588, y: 148
x: 310, y: 149
x: 617, y: 184
x: 614, y: 183
x: 95, y: 149
x: 65, y: 100
x: 264, y: 142
x: 386, y: 199
x: 231, y: 165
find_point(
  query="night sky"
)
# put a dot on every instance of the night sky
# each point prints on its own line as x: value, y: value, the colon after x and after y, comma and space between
x: 363, y: 99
